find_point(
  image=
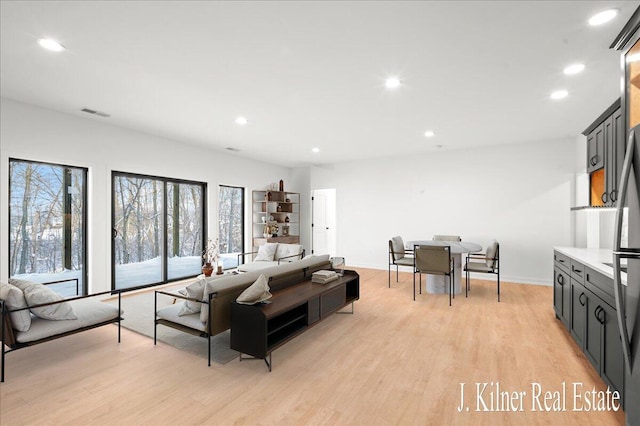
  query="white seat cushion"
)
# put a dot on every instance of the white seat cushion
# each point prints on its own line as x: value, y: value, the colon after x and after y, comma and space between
x: 88, y: 312
x: 172, y: 313
x: 478, y: 267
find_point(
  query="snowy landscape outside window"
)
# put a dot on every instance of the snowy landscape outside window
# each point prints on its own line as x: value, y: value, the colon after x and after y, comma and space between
x: 158, y: 229
x: 47, y: 225
x: 231, y: 224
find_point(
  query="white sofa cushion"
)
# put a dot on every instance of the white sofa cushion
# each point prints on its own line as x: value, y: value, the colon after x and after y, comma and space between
x: 254, y: 266
x: 88, y: 312
x: 172, y: 313
x: 266, y: 252
x: 286, y: 250
x: 36, y: 294
x: 14, y: 298
x: 256, y: 292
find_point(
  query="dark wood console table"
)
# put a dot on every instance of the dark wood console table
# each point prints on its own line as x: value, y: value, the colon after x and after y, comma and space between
x: 258, y: 330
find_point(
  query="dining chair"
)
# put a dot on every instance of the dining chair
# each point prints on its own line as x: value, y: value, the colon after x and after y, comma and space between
x: 447, y: 238
x: 433, y: 260
x: 489, y: 263
x: 398, y: 255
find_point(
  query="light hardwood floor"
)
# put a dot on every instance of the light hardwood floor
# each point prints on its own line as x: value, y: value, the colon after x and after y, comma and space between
x: 394, y: 362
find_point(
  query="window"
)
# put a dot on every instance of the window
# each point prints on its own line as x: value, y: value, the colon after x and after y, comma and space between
x: 47, y: 225
x: 231, y: 225
x: 158, y: 228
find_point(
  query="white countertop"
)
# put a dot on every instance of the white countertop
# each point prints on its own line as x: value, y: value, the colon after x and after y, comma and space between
x: 593, y: 258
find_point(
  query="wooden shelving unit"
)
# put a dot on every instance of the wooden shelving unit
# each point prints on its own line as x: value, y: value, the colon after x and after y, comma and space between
x: 275, y: 217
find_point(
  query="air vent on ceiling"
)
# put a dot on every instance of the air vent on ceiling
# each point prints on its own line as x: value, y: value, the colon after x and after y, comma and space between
x: 229, y: 148
x: 94, y: 112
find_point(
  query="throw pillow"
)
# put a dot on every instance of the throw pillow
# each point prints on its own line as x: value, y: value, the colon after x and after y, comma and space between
x: 14, y: 298
x: 36, y: 294
x: 256, y: 292
x: 194, y: 290
x: 266, y: 252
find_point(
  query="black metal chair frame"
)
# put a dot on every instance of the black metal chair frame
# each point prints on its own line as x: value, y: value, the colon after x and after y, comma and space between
x: 193, y: 331
x: 392, y: 260
x: 495, y: 270
x: 7, y: 338
x: 451, y: 274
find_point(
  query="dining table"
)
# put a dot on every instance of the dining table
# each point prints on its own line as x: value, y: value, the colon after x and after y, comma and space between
x: 436, y: 284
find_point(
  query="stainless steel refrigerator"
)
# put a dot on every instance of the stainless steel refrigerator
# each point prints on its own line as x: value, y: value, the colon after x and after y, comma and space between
x: 628, y: 296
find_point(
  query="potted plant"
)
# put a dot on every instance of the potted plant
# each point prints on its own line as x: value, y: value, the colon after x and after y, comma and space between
x: 210, y: 256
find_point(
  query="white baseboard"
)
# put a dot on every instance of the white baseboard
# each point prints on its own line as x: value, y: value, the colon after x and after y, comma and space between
x: 503, y: 278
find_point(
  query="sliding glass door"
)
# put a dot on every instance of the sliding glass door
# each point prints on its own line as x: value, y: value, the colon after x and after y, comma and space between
x: 158, y: 227
x: 47, y: 225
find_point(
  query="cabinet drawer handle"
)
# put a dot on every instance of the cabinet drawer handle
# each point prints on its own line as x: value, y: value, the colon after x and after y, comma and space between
x: 561, y: 260
x: 582, y: 302
x: 604, y: 197
x: 597, y: 312
x: 577, y: 270
x: 613, y: 196
x: 594, y: 160
x: 560, y: 279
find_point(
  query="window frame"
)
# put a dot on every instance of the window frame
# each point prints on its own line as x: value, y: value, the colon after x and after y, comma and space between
x: 164, y: 260
x: 85, y: 215
x: 243, y: 205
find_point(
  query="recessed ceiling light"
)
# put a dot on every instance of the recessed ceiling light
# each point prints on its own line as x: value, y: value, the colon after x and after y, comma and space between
x: 574, y: 69
x: 315, y: 150
x: 392, y: 83
x: 241, y: 121
x: 429, y: 134
x: 603, y: 17
x: 51, y: 44
x: 559, y: 94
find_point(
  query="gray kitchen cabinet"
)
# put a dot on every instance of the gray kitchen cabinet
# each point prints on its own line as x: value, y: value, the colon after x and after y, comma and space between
x: 614, y: 156
x: 606, y: 142
x: 578, y: 312
x: 562, y: 295
x: 582, y: 300
x: 595, y: 149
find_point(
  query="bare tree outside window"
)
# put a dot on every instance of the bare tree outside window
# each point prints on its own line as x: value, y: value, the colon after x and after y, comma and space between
x: 230, y: 224
x: 158, y: 228
x: 47, y: 211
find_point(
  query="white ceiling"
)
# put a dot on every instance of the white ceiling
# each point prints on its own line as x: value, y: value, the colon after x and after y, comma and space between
x: 311, y: 74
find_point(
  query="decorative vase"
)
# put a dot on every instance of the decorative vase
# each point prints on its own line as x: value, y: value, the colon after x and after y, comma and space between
x: 281, y: 185
x: 207, y: 269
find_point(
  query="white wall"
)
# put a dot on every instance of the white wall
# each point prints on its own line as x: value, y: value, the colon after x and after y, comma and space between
x: 33, y: 133
x: 520, y: 195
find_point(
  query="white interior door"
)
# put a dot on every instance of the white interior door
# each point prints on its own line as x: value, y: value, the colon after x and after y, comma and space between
x: 323, y: 222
